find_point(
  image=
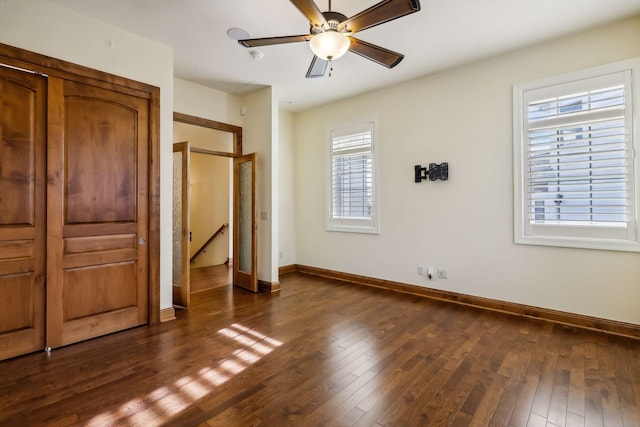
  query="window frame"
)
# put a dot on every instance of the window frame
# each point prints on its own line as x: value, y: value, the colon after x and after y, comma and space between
x: 576, y: 236
x: 353, y: 225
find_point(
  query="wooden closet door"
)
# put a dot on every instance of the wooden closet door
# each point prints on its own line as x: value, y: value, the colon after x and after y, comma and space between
x: 97, y: 201
x: 22, y: 211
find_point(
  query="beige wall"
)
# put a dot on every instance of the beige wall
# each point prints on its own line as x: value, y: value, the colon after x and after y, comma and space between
x: 286, y: 187
x: 260, y: 136
x: 210, y: 199
x: 206, y: 103
x: 464, y: 117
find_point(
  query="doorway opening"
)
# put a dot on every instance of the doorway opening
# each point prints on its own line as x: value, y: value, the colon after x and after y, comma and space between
x: 203, y: 225
x: 210, y: 215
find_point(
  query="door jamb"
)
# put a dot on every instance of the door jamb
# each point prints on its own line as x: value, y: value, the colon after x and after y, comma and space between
x: 236, y: 132
x: 185, y: 280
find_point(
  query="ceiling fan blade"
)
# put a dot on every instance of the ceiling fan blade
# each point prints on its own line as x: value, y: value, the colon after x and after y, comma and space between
x: 311, y: 11
x: 378, y: 54
x: 266, y: 41
x: 317, y: 68
x: 385, y: 11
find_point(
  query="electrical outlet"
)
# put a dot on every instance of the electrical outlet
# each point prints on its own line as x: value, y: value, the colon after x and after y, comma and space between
x: 421, y: 270
x: 443, y: 273
x: 431, y: 273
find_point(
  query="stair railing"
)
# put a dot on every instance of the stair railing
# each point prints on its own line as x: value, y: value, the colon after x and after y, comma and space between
x: 213, y: 236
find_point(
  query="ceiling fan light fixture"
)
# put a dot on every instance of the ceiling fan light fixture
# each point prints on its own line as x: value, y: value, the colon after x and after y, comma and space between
x: 330, y: 44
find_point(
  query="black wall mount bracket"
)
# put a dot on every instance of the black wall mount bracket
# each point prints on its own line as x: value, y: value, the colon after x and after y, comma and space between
x: 434, y: 172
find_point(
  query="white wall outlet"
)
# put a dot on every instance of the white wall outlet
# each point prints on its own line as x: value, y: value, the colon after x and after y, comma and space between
x: 443, y: 273
x: 431, y: 273
x: 421, y: 270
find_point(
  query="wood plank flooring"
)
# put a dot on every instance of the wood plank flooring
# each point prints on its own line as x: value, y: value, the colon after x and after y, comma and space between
x: 213, y: 276
x: 322, y: 352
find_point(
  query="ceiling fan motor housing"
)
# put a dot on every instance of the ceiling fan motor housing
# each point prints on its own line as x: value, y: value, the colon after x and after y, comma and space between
x: 333, y: 20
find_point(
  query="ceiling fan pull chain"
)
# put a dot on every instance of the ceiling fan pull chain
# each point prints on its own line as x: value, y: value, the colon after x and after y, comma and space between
x: 330, y: 67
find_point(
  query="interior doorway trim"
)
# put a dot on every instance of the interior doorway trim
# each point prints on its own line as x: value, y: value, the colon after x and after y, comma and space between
x: 235, y: 153
x: 212, y: 124
x: 42, y: 64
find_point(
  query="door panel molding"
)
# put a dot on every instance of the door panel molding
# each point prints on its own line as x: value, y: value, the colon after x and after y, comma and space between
x: 52, y: 67
x: 22, y: 212
x: 97, y: 167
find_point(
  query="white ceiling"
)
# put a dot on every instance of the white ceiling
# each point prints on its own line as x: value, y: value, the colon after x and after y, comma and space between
x: 443, y: 34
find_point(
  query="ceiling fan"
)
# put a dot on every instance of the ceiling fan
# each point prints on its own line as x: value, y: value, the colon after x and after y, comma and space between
x: 331, y: 33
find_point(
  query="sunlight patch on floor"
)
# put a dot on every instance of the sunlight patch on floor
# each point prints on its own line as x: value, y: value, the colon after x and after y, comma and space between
x: 160, y: 405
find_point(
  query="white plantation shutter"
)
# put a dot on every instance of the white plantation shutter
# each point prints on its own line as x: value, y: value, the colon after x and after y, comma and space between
x: 352, y: 183
x: 352, y: 169
x: 577, y: 161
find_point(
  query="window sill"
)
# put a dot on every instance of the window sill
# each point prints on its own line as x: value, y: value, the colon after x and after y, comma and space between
x: 580, y: 243
x: 353, y: 229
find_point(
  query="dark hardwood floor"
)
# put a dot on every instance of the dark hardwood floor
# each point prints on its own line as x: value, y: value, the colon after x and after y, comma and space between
x: 213, y: 276
x: 322, y: 352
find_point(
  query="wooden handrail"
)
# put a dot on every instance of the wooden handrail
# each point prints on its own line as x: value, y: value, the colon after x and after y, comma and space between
x: 213, y: 236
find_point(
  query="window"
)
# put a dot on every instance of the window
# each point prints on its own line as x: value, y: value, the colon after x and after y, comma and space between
x: 352, y: 202
x: 574, y: 160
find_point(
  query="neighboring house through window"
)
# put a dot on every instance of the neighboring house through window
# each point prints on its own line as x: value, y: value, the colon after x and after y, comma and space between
x: 575, y: 170
x: 352, y: 203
